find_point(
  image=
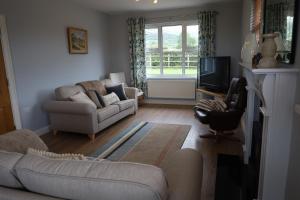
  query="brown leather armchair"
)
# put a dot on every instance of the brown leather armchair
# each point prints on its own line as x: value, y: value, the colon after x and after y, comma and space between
x: 220, y: 122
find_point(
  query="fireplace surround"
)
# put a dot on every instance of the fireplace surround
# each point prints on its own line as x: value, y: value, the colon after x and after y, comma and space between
x: 276, y: 89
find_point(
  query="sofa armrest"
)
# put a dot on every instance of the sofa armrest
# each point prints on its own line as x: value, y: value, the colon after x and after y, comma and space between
x: 132, y: 93
x: 103, y: 179
x: 20, y: 140
x: 184, y: 173
x: 72, y: 117
x: 69, y: 107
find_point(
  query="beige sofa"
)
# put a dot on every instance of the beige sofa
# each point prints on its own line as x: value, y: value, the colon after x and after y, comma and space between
x: 69, y: 116
x: 38, y: 177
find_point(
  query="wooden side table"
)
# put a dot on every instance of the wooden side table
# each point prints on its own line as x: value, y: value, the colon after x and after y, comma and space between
x: 141, y: 98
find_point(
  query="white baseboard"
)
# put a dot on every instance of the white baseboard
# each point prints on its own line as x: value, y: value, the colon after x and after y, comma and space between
x: 43, y: 130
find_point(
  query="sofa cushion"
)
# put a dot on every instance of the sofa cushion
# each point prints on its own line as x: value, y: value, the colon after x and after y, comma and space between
x: 110, y: 99
x: 119, y: 90
x: 20, y: 140
x: 93, y: 94
x: 123, y: 105
x: 107, y: 112
x: 8, y: 161
x: 83, y: 98
x: 91, y: 180
x: 63, y: 93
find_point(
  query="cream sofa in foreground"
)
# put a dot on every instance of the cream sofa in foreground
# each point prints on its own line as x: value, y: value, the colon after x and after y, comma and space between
x: 69, y: 116
x: 25, y: 176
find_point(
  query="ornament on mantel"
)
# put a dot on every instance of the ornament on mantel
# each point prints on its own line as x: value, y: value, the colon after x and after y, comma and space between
x: 249, y: 49
x: 269, y: 49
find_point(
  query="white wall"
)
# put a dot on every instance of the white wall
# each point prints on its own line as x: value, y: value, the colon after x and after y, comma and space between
x: 228, y: 33
x: 37, y: 33
x: 293, y: 181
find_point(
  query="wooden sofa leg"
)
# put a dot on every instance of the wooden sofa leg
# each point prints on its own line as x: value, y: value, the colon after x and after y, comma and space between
x: 92, y: 137
x: 55, y: 132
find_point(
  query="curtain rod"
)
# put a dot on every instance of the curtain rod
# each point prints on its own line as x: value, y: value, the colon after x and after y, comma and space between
x: 169, y: 18
x: 172, y: 17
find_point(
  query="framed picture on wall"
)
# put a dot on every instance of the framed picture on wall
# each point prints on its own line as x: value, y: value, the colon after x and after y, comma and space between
x: 78, y: 40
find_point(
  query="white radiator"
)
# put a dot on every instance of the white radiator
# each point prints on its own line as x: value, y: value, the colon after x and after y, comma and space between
x: 171, y: 88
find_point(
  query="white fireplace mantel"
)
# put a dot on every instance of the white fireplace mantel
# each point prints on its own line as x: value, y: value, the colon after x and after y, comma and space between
x: 276, y: 89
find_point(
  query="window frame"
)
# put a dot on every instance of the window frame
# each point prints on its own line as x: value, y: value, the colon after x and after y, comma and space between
x: 160, y: 26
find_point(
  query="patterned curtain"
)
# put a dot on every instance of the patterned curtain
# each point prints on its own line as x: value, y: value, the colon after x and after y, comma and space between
x: 207, y: 36
x: 276, y: 18
x: 136, y: 29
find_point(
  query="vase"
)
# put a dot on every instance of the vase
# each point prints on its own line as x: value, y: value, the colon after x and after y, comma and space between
x: 269, y: 49
x: 249, y: 49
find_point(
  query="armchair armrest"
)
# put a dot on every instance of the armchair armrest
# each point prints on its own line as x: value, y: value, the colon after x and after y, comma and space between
x: 69, y: 107
x: 198, y: 108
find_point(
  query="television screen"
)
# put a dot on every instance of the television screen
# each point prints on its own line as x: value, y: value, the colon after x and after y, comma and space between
x: 215, y: 73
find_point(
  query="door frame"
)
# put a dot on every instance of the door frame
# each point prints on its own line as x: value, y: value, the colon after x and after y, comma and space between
x: 10, y: 73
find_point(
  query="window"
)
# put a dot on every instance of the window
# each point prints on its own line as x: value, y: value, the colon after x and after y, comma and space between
x: 289, y: 29
x: 172, y: 50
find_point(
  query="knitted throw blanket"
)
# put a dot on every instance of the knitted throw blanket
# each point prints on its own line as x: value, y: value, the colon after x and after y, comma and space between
x: 210, y: 105
x: 93, y: 85
x: 50, y: 155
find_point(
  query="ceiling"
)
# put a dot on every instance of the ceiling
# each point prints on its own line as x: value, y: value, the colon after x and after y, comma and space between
x: 122, y: 6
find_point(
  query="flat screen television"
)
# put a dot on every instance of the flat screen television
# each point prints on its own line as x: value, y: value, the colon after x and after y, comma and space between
x: 215, y: 73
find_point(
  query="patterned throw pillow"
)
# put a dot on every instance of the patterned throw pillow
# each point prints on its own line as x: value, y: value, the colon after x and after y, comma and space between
x: 80, y: 97
x: 110, y: 99
x: 119, y: 90
x: 50, y: 155
x: 94, y: 97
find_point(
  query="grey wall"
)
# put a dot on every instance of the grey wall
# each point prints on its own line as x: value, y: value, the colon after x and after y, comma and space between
x: 228, y: 33
x: 293, y: 181
x: 37, y: 33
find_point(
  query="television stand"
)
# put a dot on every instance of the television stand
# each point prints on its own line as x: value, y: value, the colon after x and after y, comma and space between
x: 202, y: 93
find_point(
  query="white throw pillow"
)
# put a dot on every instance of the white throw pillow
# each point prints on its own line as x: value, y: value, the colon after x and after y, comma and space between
x: 80, y: 97
x: 110, y: 99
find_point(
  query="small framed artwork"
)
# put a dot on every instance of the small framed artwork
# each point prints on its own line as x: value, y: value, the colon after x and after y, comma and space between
x: 78, y: 40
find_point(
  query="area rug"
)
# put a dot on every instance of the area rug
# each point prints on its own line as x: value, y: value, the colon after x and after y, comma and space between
x: 145, y: 142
